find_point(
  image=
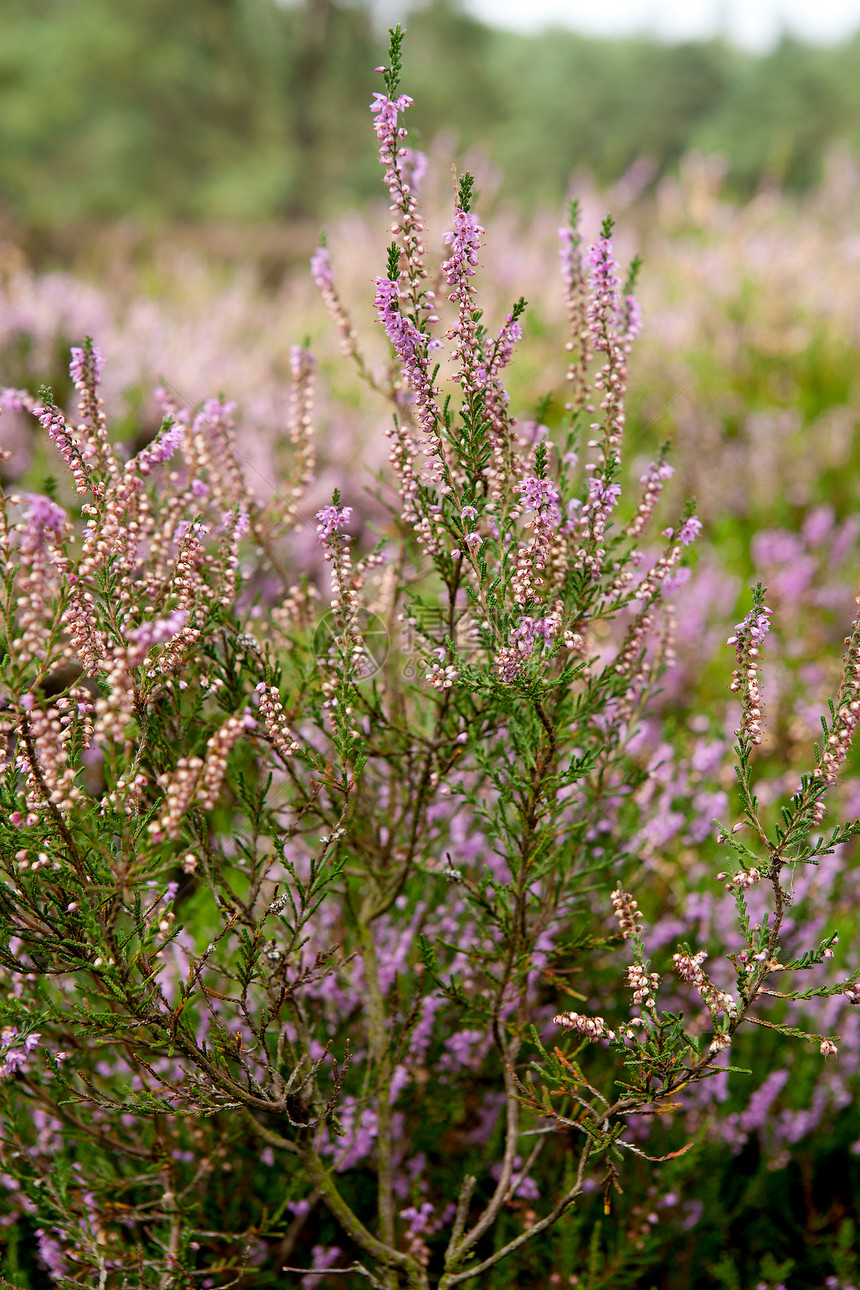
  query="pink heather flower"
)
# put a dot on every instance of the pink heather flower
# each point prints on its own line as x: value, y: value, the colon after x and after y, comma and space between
x: 568, y: 254
x: 522, y: 1186
x: 79, y: 366
x: 605, y: 284
x: 689, y: 530
x: 323, y: 275
x: 414, y: 164
x: 386, y: 111
x: 411, y: 346
x: 12, y: 400
x: 331, y: 519
x: 590, y: 1027
x: 407, y: 340
x: 590, y: 521
x: 42, y: 517
x: 275, y: 720
x: 654, y: 478
x: 846, y: 716
x: 689, y: 968
x: 675, y: 579
x: 602, y: 495
x: 532, y: 432
x: 465, y: 243
x: 402, y: 172
x: 522, y: 641
x: 238, y: 522
x: 53, y: 423
x: 323, y: 1257
x: 161, y: 629
x: 196, y: 527
x: 747, y: 639
x: 321, y: 270
x: 468, y: 513
x: 603, y: 321
x: 148, y: 634
x: 440, y: 676
x: 14, y: 1058
x: 542, y: 497
x: 212, y: 412
x: 627, y: 912
x: 495, y: 397
x: 632, y: 318
x: 574, y: 276
x: 473, y: 541
x: 754, y: 628
x: 160, y: 450
x: 418, y: 1219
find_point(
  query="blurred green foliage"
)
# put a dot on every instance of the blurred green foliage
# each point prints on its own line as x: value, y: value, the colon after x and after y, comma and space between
x: 253, y: 109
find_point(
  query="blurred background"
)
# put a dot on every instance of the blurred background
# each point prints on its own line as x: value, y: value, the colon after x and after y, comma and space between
x: 166, y: 169
x: 255, y: 110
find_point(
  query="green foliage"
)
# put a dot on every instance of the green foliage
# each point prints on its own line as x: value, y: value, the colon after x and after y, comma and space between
x: 225, y: 109
x: 246, y: 109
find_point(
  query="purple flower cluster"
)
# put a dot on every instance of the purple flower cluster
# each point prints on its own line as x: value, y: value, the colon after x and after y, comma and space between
x: 747, y: 639
x: 541, y: 497
x: 522, y: 641
x: 14, y: 1051
x: 385, y: 112
x: 653, y: 480
x: 631, y: 318
x: 321, y: 270
x: 411, y: 347
x: 86, y: 366
x: 78, y: 457
x: 42, y: 518
x: 465, y: 244
x: 459, y: 268
x: 402, y: 175
x: 162, y: 449
x: 509, y: 334
x: 751, y: 632
x: 605, y: 293
x: 590, y: 520
x: 148, y: 634
x: 689, y: 531
x: 330, y: 520
x: 568, y: 254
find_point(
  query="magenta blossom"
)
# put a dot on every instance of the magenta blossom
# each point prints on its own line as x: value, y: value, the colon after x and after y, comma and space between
x: 386, y: 111
x: 321, y: 270
x: 331, y: 519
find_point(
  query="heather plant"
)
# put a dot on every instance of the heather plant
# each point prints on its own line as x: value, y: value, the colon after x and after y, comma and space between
x: 325, y: 880
x: 749, y: 359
